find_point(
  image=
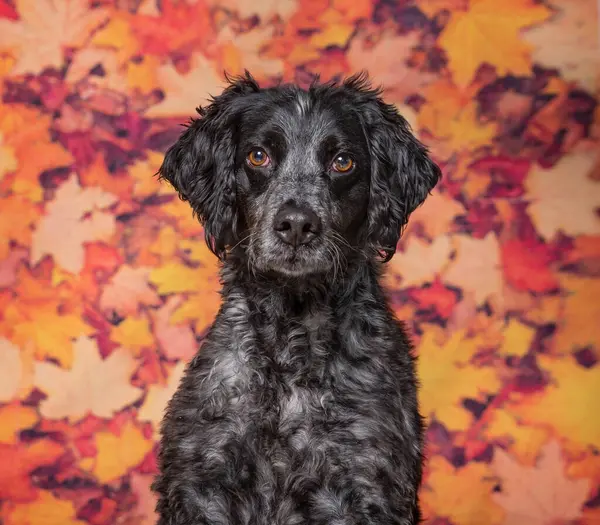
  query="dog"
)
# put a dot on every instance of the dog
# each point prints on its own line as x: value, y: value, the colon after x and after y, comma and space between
x: 301, y: 406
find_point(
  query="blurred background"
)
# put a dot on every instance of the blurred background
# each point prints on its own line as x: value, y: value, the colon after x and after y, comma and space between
x: 106, y: 286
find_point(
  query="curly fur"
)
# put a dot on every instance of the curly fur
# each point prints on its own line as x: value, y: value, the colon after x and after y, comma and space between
x: 301, y: 407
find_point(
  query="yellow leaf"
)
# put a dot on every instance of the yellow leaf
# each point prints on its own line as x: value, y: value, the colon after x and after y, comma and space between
x: 8, y: 160
x: 175, y: 277
x: 200, y: 308
x: 141, y: 75
x: 93, y: 385
x: 525, y: 441
x: 44, y: 510
x: 45, y: 28
x: 187, y: 224
x: 15, y: 417
x: 464, y: 495
x: 447, y: 378
x: 133, y: 333
x: 550, y: 212
x: 566, y: 404
x: 117, y: 34
x: 538, y: 495
x: 488, y: 32
x: 517, y: 339
x: 143, y: 172
x: 158, y: 396
x: 117, y: 454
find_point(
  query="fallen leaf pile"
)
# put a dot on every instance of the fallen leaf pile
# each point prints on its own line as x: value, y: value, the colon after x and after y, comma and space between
x: 107, y: 288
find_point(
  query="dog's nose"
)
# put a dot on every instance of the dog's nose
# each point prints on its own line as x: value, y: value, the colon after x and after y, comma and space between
x: 295, y: 225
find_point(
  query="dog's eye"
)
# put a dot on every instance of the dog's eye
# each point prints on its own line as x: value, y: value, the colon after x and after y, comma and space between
x: 342, y: 164
x: 258, y: 158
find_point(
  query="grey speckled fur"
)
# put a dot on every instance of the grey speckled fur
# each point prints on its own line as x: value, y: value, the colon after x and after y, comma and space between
x: 301, y: 406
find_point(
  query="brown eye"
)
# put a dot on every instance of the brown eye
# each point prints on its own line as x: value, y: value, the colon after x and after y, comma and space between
x: 343, y: 164
x: 258, y: 158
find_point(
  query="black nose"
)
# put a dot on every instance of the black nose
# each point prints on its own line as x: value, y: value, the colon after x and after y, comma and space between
x: 296, y: 225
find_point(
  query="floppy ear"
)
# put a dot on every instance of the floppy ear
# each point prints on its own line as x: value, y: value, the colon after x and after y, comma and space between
x: 402, y: 172
x: 201, y: 164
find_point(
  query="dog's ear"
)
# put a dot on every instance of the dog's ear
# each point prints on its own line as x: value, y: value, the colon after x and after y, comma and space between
x: 201, y: 164
x: 402, y: 172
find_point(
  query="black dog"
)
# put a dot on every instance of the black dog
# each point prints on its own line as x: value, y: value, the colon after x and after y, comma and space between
x: 301, y: 407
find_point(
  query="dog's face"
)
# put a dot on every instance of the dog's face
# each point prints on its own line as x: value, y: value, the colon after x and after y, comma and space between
x: 300, y: 179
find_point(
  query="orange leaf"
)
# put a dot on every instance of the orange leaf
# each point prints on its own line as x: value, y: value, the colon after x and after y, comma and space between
x: 538, y: 495
x: 93, y: 385
x: 17, y: 463
x: 15, y: 417
x: 526, y: 266
x: 488, y: 32
x: 119, y: 453
x: 45, y: 510
x: 11, y: 370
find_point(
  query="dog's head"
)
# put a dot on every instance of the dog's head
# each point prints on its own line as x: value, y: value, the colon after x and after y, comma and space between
x: 300, y: 179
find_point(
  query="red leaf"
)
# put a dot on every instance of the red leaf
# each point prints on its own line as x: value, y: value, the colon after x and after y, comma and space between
x: 526, y: 265
x: 436, y: 296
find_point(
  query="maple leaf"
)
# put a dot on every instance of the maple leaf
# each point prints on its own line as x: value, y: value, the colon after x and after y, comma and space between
x: 45, y: 29
x: 525, y: 441
x: 11, y: 370
x: 175, y: 277
x: 133, y: 333
x: 127, y: 290
x: 565, y: 404
x: 550, y: 211
x: 517, y: 339
x: 451, y: 116
x: 264, y: 9
x: 464, y: 495
x: 432, y: 7
x: 447, y: 378
x: 241, y: 51
x: 476, y: 267
x: 526, y: 264
x: 48, y: 330
x: 176, y: 340
x: 579, y: 325
x: 420, y: 262
x: 23, y: 139
x: 158, y: 396
x: 185, y: 91
x: 569, y: 42
x: 142, y: 172
x: 387, y: 62
x: 117, y: 454
x: 437, y: 215
x: 45, y: 510
x: 18, y: 461
x: 540, y: 495
x: 200, y: 309
x: 15, y: 417
x: 488, y: 33
x: 93, y: 385
x: 74, y: 213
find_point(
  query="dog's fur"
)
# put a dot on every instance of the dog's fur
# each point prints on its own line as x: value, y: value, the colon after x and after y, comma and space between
x: 301, y: 407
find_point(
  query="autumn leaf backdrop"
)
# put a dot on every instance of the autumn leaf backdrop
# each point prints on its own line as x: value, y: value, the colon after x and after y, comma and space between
x: 106, y: 287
